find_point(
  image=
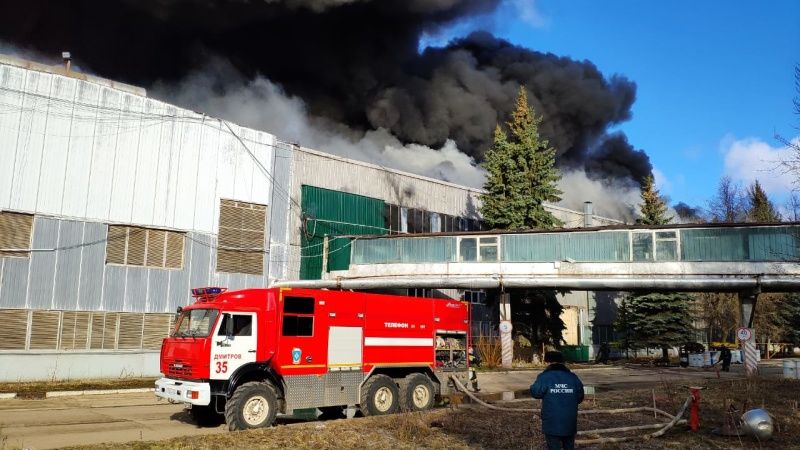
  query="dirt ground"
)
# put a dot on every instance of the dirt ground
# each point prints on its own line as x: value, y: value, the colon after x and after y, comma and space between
x: 471, y: 426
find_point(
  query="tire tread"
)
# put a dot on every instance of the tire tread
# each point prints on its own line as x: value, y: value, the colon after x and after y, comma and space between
x: 232, y: 405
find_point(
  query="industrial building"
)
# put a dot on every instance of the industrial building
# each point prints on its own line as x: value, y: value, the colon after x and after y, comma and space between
x: 114, y: 204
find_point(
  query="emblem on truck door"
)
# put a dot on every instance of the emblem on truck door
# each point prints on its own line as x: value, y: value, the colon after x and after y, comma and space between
x: 296, y: 354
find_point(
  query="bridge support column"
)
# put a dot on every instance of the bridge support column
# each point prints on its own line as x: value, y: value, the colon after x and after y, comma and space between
x: 506, y: 341
x: 747, y: 307
x: 747, y: 312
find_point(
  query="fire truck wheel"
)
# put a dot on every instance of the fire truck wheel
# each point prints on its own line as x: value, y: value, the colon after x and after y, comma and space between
x: 379, y: 396
x: 416, y: 393
x: 252, y: 405
x: 205, y: 416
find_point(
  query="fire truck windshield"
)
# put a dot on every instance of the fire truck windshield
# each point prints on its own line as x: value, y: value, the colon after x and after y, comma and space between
x: 196, y: 322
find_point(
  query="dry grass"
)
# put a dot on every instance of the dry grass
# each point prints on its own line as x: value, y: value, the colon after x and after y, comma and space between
x: 404, y: 431
x: 475, y: 427
x: 40, y: 387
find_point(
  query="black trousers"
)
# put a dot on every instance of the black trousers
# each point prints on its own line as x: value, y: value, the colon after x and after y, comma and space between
x: 559, y: 442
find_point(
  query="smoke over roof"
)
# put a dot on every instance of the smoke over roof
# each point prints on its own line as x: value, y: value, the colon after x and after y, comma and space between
x: 352, y: 63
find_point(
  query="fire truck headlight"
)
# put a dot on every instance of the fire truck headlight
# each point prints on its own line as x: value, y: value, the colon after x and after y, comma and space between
x: 194, y: 395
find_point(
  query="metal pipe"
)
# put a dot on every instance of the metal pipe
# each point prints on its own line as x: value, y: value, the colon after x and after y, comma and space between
x: 588, y: 215
x: 690, y: 284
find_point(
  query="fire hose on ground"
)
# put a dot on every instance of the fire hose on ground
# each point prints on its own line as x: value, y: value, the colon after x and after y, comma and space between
x: 661, y: 427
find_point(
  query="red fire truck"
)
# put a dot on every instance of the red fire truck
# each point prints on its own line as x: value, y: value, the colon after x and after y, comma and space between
x: 254, y: 353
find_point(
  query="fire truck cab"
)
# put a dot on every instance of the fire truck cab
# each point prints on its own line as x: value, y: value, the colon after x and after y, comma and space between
x: 255, y: 353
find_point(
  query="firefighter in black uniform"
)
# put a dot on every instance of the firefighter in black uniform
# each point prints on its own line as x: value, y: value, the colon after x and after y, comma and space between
x: 725, y: 356
x: 474, y: 361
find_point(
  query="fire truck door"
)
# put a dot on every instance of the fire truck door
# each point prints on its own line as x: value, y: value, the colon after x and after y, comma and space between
x: 344, y: 348
x: 234, y: 344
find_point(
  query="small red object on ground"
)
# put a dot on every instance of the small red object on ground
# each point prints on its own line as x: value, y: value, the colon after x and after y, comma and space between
x: 694, y: 413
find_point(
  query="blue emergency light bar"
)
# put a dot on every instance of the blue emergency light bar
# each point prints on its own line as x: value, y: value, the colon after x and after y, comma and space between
x: 207, y: 293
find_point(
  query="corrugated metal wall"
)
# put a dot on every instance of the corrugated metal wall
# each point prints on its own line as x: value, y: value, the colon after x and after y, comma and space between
x: 80, y: 155
x: 70, y: 273
x: 741, y: 244
x: 602, y: 246
x: 404, y: 250
x: 75, y: 149
x: 334, y: 214
x: 279, y: 212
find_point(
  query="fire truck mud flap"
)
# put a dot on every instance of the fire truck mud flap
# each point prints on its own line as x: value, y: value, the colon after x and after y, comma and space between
x: 179, y: 391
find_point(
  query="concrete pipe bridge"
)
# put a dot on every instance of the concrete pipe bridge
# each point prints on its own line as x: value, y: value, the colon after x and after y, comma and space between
x: 744, y: 258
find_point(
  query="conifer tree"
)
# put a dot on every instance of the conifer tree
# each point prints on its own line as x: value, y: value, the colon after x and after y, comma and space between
x: 659, y: 320
x: 760, y: 208
x: 789, y: 317
x: 653, y: 208
x: 521, y: 174
x: 623, y: 327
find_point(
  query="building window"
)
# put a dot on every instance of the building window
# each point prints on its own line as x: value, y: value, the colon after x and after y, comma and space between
x: 483, y: 249
x: 467, y: 250
x: 420, y: 292
x: 450, y: 223
x: 138, y: 246
x: 488, y: 249
x: 666, y: 245
x: 241, y: 237
x: 398, y: 219
x: 642, y: 246
x: 298, y: 316
x: 436, y: 223
x: 475, y: 297
x: 15, y: 234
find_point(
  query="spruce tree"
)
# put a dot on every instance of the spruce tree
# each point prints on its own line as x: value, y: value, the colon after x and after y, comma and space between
x: 653, y: 208
x: 521, y: 174
x: 789, y: 315
x: 623, y: 327
x: 659, y: 320
x: 760, y: 208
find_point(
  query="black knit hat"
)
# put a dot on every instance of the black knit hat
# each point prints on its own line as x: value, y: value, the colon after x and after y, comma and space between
x: 553, y: 357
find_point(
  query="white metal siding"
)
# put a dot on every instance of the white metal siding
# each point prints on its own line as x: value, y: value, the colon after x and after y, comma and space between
x: 71, y: 148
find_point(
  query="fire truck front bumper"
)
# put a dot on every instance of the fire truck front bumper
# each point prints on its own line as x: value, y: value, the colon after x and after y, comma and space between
x: 181, y: 391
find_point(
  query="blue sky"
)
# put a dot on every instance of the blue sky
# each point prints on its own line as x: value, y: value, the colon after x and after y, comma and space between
x: 715, y: 78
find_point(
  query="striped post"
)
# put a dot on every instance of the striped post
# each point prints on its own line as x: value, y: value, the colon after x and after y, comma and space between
x: 506, y: 344
x: 749, y: 350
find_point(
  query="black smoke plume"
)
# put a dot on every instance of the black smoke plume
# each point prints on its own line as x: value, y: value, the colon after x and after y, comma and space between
x: 352, y: 62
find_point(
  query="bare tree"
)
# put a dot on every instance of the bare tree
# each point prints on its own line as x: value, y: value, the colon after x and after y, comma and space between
x: 729, y: 204
x: 791, y: 164
x: 793, y: 207
x: 719, y: 314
